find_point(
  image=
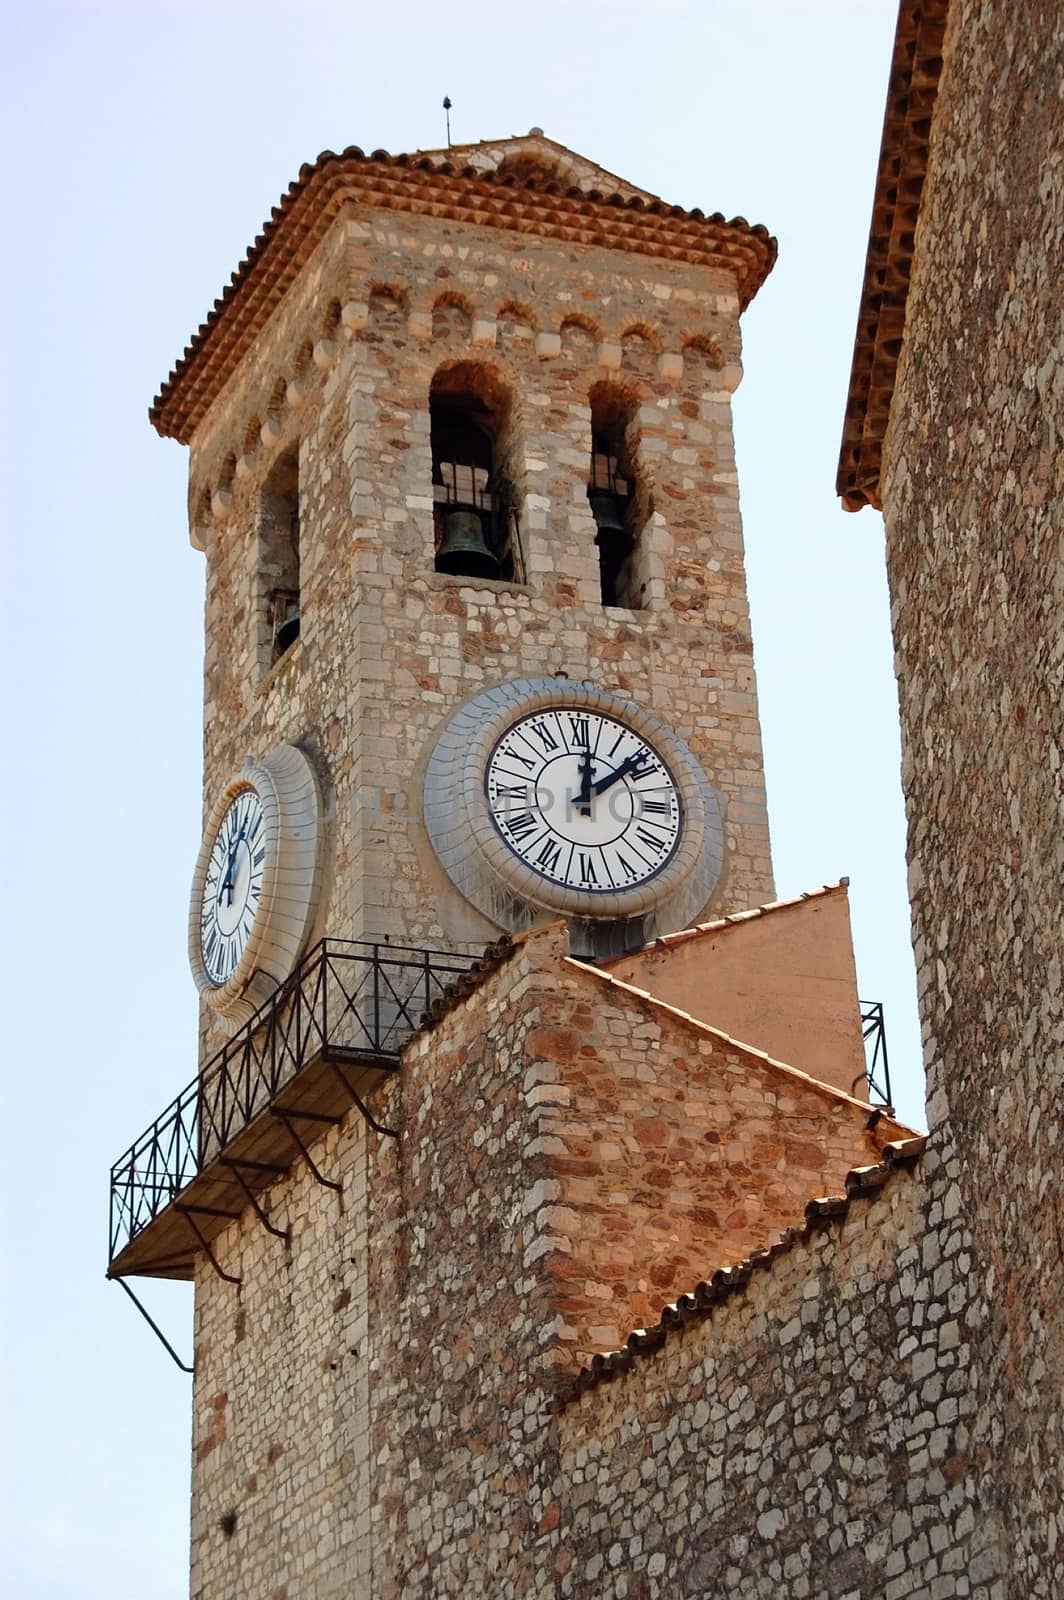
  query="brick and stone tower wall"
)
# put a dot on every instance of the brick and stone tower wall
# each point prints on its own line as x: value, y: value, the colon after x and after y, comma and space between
x: 972, y: 495
x: 340, y: 1373
x: 331, y: 392
x: 953, y: 430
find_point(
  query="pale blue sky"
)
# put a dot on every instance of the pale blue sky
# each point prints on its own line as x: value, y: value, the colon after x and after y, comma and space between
x: 145, y: 145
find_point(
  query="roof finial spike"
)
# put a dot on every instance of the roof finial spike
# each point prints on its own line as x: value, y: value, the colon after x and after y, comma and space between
x: 447, y: 108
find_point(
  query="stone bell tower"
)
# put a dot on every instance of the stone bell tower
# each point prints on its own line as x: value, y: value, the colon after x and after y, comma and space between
x: 478, y: 672
x: 461, y: 423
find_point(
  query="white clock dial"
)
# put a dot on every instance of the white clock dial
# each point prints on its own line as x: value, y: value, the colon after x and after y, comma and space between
x: 583, y: 800
x: 232, y: 887
x: 256, y: 884
x: 548, y: 795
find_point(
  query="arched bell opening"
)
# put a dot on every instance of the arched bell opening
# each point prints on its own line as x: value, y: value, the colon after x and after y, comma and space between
x: 613, y: 492
x: 474, y: 506
x: 279, y: 545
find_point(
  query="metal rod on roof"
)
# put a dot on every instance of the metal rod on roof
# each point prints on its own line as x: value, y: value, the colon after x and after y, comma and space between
x: 447, y: 108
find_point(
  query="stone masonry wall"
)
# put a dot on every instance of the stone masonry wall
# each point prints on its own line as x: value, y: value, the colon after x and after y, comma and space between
x: 463, y: 1341
x: 281, y: 1478
x: 388, y: 647
x: 973, y: 489
x: 667, y: 1150
x: 813, y: 1436
x: 372, y: 1404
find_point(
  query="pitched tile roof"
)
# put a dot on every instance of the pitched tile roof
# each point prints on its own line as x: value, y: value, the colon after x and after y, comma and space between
x: 699, y: 1304
x: 524, y: 198
x: 915, y: 71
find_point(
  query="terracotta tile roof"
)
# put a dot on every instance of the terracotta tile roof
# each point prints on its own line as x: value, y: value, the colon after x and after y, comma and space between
x: 700, y: 1303
x: 490, y: 960
x: 535, y: 148
x: 530, y: 202
x: 666, y: 940
x: 911, y: 95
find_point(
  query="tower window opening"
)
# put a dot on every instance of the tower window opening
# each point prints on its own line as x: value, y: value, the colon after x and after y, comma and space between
x: 279, y: 533
x: 474, y: 515
x: 610, y: 491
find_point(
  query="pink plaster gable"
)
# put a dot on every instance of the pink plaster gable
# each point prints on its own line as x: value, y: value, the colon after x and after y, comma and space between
x: 780, y: 978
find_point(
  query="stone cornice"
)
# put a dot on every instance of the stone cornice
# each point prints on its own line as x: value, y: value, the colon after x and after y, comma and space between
x: 419, y: 186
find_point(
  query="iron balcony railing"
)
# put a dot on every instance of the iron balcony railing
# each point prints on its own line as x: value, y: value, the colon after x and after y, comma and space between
x: 351, y: 1001
x: 877, y: 1071
x: 348, y: 1000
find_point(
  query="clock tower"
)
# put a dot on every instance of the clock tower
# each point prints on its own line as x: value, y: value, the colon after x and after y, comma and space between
x: 483, y: 797
x: 462, y: 470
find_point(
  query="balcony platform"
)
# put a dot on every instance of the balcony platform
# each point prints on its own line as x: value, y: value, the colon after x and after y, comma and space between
x: 326, y: 1040
x: 261, y: 1152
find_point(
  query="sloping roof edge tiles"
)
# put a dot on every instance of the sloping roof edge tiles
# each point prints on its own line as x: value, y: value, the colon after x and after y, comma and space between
x: 643, y: 1343
x: 914, y: 77
x: 423, y: 185
x: 533, y: 147
x: 662, y: 1009
x: 491, y: 958
x: 701, y: 930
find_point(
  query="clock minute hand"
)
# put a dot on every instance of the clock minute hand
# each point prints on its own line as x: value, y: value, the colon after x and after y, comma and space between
x: 231, y: 863
x: 583, y: 799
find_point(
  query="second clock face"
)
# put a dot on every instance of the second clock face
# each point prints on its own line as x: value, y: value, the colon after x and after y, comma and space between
x: 232, y: 887
x: 583, y: 800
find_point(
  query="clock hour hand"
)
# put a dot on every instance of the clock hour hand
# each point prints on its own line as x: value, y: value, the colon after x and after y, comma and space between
x: 631, y: 764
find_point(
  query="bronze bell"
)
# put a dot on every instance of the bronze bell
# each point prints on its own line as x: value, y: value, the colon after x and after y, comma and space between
x: 607, y: 515
x: 463, y: 551
x: 287, y: 631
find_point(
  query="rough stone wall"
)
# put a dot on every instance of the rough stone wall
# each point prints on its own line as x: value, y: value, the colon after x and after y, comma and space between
x: 372, y: 1402
x: 668, y: 1150
x: 973, y: 489
x: 813, y: 1437
x: 281, y: 1472
x: 388, y: 647
x: 463, y: 1345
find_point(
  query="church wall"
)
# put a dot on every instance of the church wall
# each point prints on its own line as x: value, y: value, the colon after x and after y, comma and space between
x: 463, y: 1343
x: 973, y: 486
x: 281, y: 1469
x: 388, y: 647
x: 813, y: 1436
x: 670, y: 1151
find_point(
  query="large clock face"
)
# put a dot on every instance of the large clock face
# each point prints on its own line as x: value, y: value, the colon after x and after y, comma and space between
x: 583, y: 800
x: 549, y: 795
x: 256, y: 884
x: 232, y: 887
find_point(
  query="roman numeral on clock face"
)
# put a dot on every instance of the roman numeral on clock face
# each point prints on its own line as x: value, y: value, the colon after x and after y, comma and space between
x: 656, y: 844
x: 544, y: 735
x: 519, y: 827
x: 549, y: 856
